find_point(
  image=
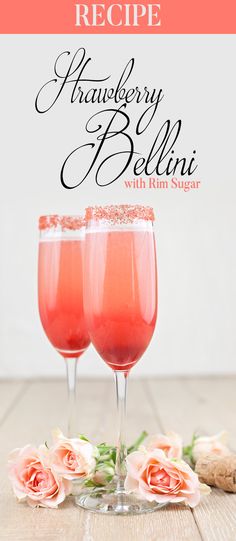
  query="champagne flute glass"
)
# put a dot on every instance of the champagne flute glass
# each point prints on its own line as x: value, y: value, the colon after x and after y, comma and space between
x: 60, y: 294
x: 121, y: 310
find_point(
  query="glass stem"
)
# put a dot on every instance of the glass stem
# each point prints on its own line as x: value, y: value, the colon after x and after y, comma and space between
x: 71, y: 368
x: 121, y: 384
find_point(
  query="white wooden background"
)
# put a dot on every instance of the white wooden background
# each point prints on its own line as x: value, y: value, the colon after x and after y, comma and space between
x: 29, y: 410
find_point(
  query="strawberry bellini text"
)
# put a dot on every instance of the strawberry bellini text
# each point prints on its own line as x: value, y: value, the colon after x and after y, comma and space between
x: 114, y: 138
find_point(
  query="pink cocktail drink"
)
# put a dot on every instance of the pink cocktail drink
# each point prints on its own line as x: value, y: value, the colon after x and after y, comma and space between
x: 121, y: 296
x: 61, y: 295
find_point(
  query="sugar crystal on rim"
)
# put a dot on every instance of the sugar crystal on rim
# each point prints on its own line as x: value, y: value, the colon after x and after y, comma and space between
x: 120, y: 214
x: 62, y: 222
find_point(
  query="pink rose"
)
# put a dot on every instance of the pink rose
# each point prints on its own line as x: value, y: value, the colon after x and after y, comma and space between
x: 171, y: 443
x: 155, y: 477
x: 34, y: 479
x: 72, y: 458
x: 211, y: 445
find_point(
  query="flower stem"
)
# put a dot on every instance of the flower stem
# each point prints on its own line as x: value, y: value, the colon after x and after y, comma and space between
x: 138, y: 442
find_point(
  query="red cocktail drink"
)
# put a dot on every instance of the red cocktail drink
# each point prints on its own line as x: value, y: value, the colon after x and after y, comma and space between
x: 120, y: 293
x: 60, y: 293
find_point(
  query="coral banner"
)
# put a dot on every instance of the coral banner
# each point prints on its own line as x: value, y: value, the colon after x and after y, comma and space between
x: 146, y: 17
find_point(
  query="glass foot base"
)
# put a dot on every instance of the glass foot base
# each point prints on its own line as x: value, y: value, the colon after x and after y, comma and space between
x: 104, y: 501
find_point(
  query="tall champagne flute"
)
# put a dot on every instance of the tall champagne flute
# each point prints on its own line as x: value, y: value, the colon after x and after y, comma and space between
x: 121, y: 310
x: 60, y: 294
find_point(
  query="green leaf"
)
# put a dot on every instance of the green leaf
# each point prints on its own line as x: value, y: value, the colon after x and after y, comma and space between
x: 82, y: 437
x: 188, y: 450
x: 90, y: 484
x: 137, y: 443
x: 113, y: 456
x: 104, y: 448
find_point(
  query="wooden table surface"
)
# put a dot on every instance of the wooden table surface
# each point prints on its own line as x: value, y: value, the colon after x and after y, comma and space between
x: 29, y: 410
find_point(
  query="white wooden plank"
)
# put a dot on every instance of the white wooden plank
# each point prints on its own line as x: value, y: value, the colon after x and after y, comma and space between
x: 216, y: 400
x: 216, y: 516
x: 10, y: 392
x: 170, y: 524
x: 173, y: 405
x: 20, y: 523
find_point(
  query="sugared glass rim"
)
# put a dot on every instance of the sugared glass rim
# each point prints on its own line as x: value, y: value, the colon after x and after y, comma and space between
x: 64, y: 223
x: 120, y: 214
